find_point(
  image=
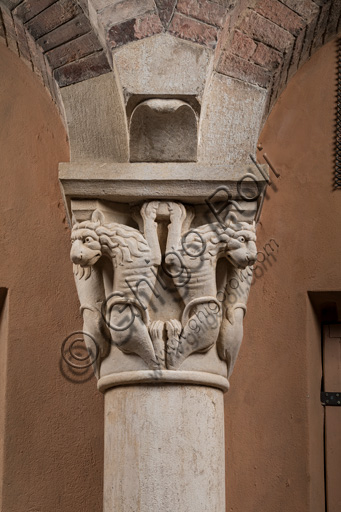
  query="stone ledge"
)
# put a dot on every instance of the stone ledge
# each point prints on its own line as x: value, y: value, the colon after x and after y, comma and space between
x: 163, y: 377
x: 130, y: 182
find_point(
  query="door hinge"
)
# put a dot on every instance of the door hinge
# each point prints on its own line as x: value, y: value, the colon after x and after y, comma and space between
x: 330, y: 398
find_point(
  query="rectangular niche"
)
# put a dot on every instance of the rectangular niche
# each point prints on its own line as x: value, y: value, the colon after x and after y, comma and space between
x: 163, y: 130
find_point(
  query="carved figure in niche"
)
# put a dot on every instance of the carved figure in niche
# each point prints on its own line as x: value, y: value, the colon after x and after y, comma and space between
x: 192, y: 259
x: 135, y: 258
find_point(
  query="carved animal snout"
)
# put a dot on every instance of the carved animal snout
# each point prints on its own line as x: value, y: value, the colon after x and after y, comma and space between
x: 252, y: 258
x: 83, y: 255
x: 77, y: 260
x: 252, y: 253
x: 76, y: 252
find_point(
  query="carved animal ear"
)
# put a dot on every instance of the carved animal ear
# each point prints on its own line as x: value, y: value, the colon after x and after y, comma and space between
x: 97, y: 216
x: 232, y: 217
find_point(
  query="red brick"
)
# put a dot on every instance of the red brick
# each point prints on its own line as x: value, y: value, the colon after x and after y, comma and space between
x: 192, y: 30
x: 38, y: 61
x: 322, y: 2
x: 73, y: 50
x: 2, y: 28
x: 10, y: 4
x: 296, y: 54
x: 272, y: 90
x: 213, y: 14
x: 28, y: 9
x: 281, y: 79
x: 281, y: 15
x: 334, y: 20
x: 230, y: 22
x: 74, y: 28
x: 21, y: 40
x: 309, y: 35
x: 267, y: 57
x: 84, y: 6
x: 121, y: 34
x: 147, y: 26
x: 52, y: 17
x: 235, y: 10
x: 305, y: 8
x: 11, y: 36
x: 53, y: 87
x: 266, y: 31
x: 134, y: 29
x: 88, y: 67
x: 321, y: 27
x: 166, y: 10
x: 236, y: 67
x: 242, y: 45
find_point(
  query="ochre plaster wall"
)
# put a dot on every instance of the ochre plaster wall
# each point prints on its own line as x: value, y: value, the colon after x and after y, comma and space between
x: 53, y: 427
x: 274, y: 420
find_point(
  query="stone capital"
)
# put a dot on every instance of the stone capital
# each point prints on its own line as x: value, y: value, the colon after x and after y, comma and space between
x: 163, y: 257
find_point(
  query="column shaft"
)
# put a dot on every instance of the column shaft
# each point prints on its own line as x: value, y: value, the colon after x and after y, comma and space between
x: 164, y: 449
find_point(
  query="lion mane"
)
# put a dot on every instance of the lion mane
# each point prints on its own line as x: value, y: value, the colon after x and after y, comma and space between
x: 119, y: 242
x: 213, y: 235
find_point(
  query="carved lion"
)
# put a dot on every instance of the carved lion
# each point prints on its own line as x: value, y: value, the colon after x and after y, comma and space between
x: 134, y: 257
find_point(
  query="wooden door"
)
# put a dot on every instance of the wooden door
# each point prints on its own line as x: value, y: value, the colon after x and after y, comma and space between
x: 332, y: 401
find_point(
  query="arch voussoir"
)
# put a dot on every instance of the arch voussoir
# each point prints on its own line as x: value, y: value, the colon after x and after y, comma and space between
x: 271, y: 40
x: 55, y: 39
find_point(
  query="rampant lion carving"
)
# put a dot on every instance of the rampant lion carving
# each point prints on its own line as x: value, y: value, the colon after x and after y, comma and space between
x: 134, y: 257
x: 115, y: 309
x: 198, y: 251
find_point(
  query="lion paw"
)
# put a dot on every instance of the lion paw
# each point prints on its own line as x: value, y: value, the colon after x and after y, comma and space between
x: 149, y: 210
x: 177, y: 212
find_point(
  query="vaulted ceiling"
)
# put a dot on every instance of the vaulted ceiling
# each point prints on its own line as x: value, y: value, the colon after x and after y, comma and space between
x: 261, y: 42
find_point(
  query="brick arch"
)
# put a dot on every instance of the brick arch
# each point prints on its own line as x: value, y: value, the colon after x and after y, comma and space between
x: 55, y: 39
x: 199, y: 21
x: 272, y: 39
x: 69, y: 41
x: 261, y: 42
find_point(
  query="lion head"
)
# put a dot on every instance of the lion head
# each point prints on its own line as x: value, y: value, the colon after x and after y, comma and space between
x: 241, y: 249
x: 86, y: 246
x: 235, y: 242
x: 93, y: 239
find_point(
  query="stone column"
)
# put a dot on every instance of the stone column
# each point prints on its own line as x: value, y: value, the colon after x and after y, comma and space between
x: 163, y: 267
x: 164, y: 449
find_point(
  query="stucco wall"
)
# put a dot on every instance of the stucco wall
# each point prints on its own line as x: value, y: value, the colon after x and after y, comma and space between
x: 53, y: 442
x: 274, y: 421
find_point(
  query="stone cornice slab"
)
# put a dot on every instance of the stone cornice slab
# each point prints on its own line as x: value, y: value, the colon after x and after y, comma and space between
x: 129, y: 182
